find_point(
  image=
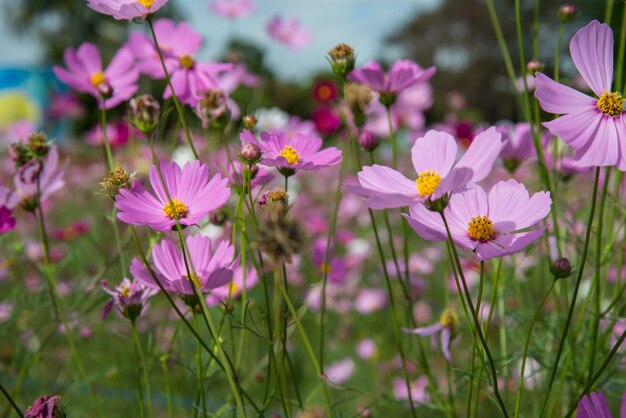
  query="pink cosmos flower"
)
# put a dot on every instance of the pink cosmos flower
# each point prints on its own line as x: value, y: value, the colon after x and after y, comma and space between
x: 594, y: 405
x: 232, y: 9
x: 336, y: 269
x: 128, y: 297
x: 111, y: 86
x: 489, y: 224
x: 402, y: 75
x: 7, y: 221
x: 418, y: 389
x: 45, y: 407
x: 118, y: 133
x: 594, y: 127
x: 518, y: 143
x: 288, y: 31
x: 299, y: 152
x: 179, y: 43
x: 370, y: 300
x: 326, y: 120
x: 193, y: 196
x: 126, y: 9
x: 433, y: 158
x: 340, y: 371
x: 50, y: 176
x: 213, y: 264
x: 221, y: 294
x: 443, y: 328
x: 6, y: 310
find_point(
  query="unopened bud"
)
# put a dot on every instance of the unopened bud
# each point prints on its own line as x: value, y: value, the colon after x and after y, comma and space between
x: 38, y: 144
x: 105, y: 90
x: 250, y: 153
x: 368, y: 140
x: 561, y: 268
x: 212, y: 109
x: 567, y: 11
x: 341, y: 59
x: 144, y: 113
x: 249, y: 121
x: 533, y: 66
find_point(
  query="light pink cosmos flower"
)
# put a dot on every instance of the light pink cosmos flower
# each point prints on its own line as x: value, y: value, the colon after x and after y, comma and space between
x: 193, y: 196
x: 418, y: 389
x: 111, y: 86
x: 433, y: 158
x: 518, y: 143
x: 130, y: 298
x: 443, y: 329
x: 118, y: 133
x: 289, y: 31
x: 232, y: 9
x: 213, y: 264
x: 50, y: 176
x: 179, y: 43
x: 126, y: 9
x: 594, y: 127
x: 594, y: 405
x: 221, y: 295
x: 488, y: 224
x: 340, y: 371
x: 44, y: 407
x: 298, y: 152
x: 402, y: 75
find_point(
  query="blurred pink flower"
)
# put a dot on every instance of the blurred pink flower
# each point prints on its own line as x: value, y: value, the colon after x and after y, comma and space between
x: 111, y: 86
x: 118, y: 133
x: 7, y: 221
x: 232, y: 9
x: 402, y: 75
x: 6, y: 310
x: 237, y: 285
x: 418, y: 389
x: 326, y: 121
x: 48, y: 174
x: 126, y: 9
x: 288, y: 31
x: 45, y: 407
x: 370, y: 300
x: 366, y: 349
x: 340, y: 371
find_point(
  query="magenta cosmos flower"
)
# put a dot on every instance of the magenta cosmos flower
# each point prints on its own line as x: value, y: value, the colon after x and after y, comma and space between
x: 402, y: 75
x: 491, y: 225
x: 111, y: 86
x: 594, y: 405
x: 213, y: 264
x: 45, y: 407
x: 126, y: 9
x: 296, y: 152
x: 179, y: 44
x: 48, y: 173
x: 193, y: 196
x: 232, y: 9
x: 593, y: 126
x: 128, y: 297
x: 433, y: 158
x: 289, y: 32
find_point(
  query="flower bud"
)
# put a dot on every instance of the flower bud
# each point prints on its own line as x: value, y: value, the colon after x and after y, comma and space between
x: 38, y: 144
x: 212, y: 109
x: 561, y: 268
x: 45, y: 407
x: 105, y: 90
x: 567, y: 11
x: 250, y: 153
x: 533, y: 66
x: 249, y: 121
x: 341, y: 59
x: 368, y: 140
x: 144, y: 113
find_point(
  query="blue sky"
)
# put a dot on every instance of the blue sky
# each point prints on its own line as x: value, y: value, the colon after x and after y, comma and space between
x: 360, y: 23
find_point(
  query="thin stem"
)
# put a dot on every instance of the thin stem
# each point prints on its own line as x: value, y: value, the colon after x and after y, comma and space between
x: 200, y: 369
x: 179, y: 109
x: 144, y: 368
x: 18, y: 411
x: 477, y: 326
x: 520, y: 389
x: 392, y: 139
x: 570, y: 313
x: 107, y: 145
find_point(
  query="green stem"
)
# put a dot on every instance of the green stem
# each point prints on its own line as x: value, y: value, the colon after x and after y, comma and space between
x: 179, y: 109
x: 107, y: 145
x: 392, y: 139
x: 477, y: 326
x: 200, y: 369
x: 570, y: 313
x: 18, y: 411
x: 520, y: 389
x: 144, y: 367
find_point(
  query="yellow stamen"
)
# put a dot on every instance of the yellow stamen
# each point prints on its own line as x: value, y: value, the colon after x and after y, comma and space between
x: 186, y: 61
x: 233, y: 289
x: 611, y: 103
x: 325, y: 267
x: 427, y: 182
x: 97, y: 78
x: 449, y: 318
x: 176, y: 207
x: 290, y: 154
x: 195, y: 279
x: 146, y: 3
x: 481, y: 229
x: 125, y: 291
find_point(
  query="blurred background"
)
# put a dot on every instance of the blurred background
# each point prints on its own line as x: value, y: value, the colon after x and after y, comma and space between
x: 454, y: 35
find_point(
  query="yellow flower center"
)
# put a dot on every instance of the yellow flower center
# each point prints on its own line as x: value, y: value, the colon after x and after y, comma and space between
x: 611, y: 103
x: 448, y: 318
x: 481, y: 229
x: 186, y: 61
x: 290, y: 154
x: 427, y: 182
x: 325, y: 267
x: 97, y: 78
x: 125, y: 291
x: 233, y: 289
x: 146, y: 3
x: 176, y: 207
x: 195, y: 280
